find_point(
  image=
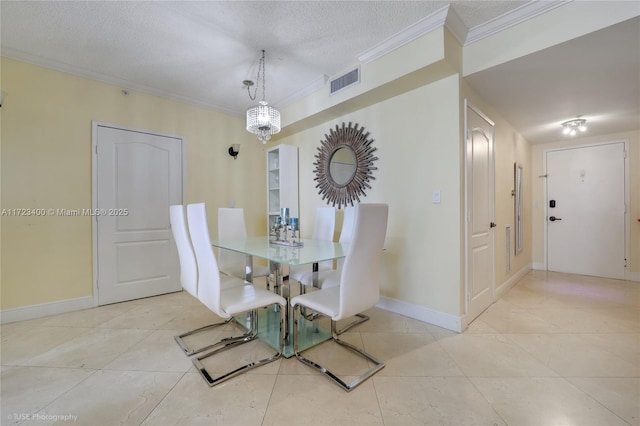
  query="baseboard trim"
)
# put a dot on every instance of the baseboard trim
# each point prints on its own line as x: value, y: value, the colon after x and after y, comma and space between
x: 634, y: 276
x: 506, y: 286
x: 441, y: 319
x: 538, y: 266
x: 46, y: 309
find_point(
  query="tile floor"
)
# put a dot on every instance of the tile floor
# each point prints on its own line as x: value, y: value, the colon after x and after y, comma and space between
x: 556, y: 349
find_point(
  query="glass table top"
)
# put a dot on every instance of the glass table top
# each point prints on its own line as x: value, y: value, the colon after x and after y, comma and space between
x: 313, y: 251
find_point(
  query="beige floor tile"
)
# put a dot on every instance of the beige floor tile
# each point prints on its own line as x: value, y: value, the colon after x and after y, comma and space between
x: 433, y: 401
x: 620, y: 395
x: 505, y: 317
x: 572, y: 355
x: 88, y: 317
x: 145, y: 316
x: 316, y: 400
x: 492, y: 355
x: 241, y: 401
x: 20, y: 326
x: 190, y: 318
x: 18, y: 347
x: 26, y: 390
x: 91, y: 350
x: 157, y: 352
x: 595, y: 320
x: 111, y: 398
x: 623, y: 345
x: 409, y: 354
x: 478, y: 326
x: 572, y: 291
x: 384, y: 321
x: 557, y: 348
x: 543, y: 401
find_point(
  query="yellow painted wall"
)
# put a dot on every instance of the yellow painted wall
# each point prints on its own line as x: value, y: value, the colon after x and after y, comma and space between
x: 418, y: 141
x: 538, y: 211
x: 46, y: 163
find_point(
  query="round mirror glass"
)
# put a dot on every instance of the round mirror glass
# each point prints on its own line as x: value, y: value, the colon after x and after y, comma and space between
x: 342, y: 166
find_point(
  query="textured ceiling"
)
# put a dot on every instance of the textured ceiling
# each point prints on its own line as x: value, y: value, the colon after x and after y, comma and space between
x: 201, y: 51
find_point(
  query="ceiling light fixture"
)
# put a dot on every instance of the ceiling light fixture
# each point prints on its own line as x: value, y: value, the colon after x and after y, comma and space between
x: 572, y: 127
x: 262, y: 119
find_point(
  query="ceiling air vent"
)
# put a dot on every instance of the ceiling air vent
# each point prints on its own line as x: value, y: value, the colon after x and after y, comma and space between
x: 345, y: 80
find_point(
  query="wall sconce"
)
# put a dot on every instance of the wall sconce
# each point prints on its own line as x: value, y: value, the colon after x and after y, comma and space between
x: 234, y: 150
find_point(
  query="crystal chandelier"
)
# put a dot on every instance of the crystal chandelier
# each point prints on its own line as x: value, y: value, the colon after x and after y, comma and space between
x: 262, y: 119
x: 572, y: 127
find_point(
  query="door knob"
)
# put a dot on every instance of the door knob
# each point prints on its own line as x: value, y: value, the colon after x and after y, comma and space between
x: 553, y: 218
x: 492, y: 225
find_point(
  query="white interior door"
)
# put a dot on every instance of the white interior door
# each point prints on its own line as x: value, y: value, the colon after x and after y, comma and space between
x: 585, y: 229
x: 480, y: 190
x: 138, y: 176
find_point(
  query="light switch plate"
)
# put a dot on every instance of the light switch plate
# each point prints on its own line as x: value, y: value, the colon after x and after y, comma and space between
x: 435, y: 197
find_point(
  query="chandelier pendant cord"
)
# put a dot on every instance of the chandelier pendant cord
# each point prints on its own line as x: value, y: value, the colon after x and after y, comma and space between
x: 261, y: 71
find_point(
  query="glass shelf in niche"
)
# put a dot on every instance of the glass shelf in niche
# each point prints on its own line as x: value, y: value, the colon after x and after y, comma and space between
x: 274, y: 201
x: 274, y: 179
x: 274, y: 161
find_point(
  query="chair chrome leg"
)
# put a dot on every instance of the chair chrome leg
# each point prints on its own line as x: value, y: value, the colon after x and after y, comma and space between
x: 378, y: 365
x: 361, y: 318
x: 192, y: 351
x: 232, y: 342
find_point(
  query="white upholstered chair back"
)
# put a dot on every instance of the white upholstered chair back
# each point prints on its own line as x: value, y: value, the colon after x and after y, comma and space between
x: 231, y: 225
x: 188, y: 265
x: 208, y: 272
x: 359, y: 285
x: 324, y: 226
x: 348, y: 222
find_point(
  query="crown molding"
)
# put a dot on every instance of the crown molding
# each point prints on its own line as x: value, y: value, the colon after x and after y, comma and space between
x: 426, y: 25
x: 455, y: 25
x: 500, y: 23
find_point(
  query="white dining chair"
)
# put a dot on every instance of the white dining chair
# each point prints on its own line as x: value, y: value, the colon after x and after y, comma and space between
x: 231, y: 226
x: 325, y: 270
x: 227, y: 302
x: 324, y: 226
x: 189, y: 273
x: 357, y: 291
x: 328, y: 277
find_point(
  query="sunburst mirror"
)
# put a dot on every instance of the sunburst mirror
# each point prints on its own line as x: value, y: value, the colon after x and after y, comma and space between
x: 344, y: 165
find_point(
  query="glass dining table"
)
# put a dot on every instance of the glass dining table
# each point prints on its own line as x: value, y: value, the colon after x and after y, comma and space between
x: 279, y: 257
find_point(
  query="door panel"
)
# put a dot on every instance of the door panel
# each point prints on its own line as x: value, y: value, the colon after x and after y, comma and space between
x: 587, y: 185
x: 138, y: 176
x: 480, y: 198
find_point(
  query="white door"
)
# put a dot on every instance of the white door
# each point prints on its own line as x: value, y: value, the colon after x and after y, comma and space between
x: 585, y: 229
x: 138, y: 175
x: 480, y: 210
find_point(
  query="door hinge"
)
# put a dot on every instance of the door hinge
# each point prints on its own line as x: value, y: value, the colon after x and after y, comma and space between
x: 96, y: 149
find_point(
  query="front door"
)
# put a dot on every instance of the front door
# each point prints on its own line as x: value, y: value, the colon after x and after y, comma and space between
x: 480, y: 210
x: 138, y: 175
x: 586, y: 210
